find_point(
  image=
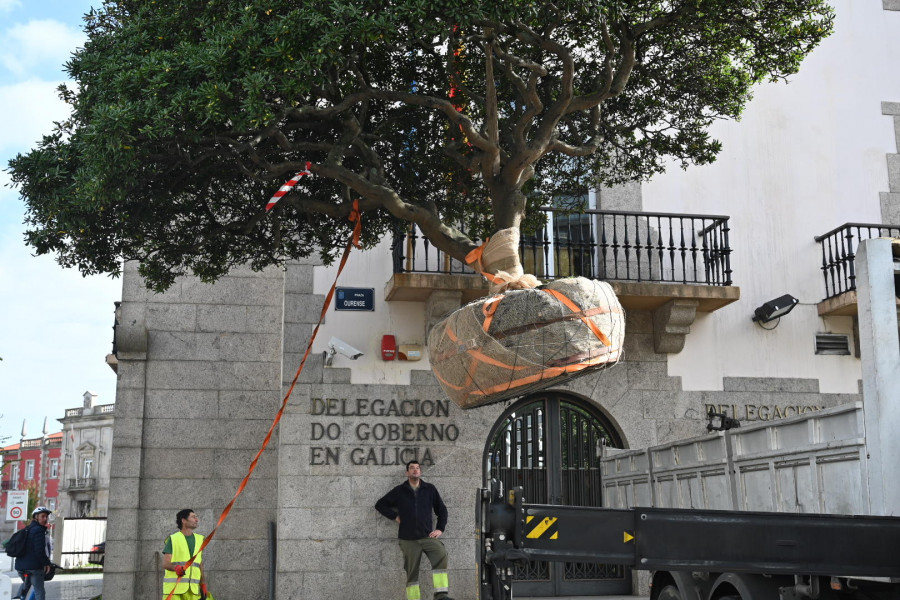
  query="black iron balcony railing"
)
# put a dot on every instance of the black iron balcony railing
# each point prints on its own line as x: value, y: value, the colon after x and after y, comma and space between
x: 8, y: 485
x: 615, y: 245
x: 839, y: 253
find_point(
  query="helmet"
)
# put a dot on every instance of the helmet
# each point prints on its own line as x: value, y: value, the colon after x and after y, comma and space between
x: 41, y: 509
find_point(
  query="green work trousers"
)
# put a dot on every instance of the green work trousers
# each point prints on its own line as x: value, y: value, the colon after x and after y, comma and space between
x: 412, y: 557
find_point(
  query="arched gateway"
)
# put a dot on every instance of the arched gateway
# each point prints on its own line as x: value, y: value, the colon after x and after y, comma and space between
x: 550, y: 444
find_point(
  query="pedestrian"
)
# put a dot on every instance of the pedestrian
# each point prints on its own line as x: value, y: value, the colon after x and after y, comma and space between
x: 177, y: 551
x: 411, y: 504
x: 35, y: 565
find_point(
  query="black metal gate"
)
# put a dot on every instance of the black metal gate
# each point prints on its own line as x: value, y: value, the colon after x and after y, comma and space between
x: 550, y: 445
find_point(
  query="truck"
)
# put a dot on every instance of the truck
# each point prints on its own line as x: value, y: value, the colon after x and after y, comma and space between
x: 803, y: 508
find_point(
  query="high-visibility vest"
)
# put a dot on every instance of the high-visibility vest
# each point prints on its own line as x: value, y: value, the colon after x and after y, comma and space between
x: 180, y: 556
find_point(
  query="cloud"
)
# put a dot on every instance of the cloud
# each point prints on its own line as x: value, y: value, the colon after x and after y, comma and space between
x: 9, y: 5
x: 38, y: 44
x: 27, y: 111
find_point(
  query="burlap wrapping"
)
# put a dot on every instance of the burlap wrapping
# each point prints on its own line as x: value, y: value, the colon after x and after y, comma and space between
x: 498, y: 261
x: 524, y: 340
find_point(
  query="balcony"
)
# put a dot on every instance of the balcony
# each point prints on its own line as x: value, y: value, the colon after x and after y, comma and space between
x: 671, y: 264
x: 81, y: 484
x: 839, y: 248
x: 101, y: 409
x: 8, y: 485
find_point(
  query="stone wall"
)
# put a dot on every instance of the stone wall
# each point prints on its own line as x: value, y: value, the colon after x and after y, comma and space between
x: 198, y: 385
x: 890, y: 200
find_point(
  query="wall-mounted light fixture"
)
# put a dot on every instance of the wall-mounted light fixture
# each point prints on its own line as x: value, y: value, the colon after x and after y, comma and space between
x: 775, y: 309
x: 720, y: 421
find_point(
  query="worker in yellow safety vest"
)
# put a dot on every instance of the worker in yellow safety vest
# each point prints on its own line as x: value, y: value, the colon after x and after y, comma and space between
x: 178, y: 550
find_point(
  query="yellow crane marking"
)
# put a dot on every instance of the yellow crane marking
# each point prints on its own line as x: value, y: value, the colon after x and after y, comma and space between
x: 542, y: 527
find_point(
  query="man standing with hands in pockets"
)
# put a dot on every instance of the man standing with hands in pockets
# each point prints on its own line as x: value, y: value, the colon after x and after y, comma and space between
x: 411, y: 504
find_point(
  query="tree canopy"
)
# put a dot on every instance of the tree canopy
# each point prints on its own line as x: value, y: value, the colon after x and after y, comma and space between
x: 457, y: 115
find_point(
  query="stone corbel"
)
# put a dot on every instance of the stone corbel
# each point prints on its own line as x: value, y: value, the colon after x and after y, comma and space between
x: 131, y: 332
x: 440, y: 303
x: 671, y: 323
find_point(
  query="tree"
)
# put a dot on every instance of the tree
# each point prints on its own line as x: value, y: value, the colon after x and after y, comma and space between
x: 456, y: 115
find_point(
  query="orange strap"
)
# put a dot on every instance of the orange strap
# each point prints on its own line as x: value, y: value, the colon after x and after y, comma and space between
x: 473, y: 259
x: 576, y: 309
x: 354, y: 241
x: 543, y: 374
x: 488, y: 309
x: 547, y: 373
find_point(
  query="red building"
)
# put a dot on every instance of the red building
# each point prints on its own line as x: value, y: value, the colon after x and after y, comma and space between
x: 33, y: 464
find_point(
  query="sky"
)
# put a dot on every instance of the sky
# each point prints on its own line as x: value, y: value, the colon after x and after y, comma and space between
x: 55, y: 325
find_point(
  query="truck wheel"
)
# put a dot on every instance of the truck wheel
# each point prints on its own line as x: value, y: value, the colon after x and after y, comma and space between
x: 670, y: 592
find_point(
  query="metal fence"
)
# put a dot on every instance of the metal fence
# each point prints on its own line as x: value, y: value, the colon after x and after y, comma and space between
x: 79, y: 536
x: 614, y: 245
x: 839, y: 253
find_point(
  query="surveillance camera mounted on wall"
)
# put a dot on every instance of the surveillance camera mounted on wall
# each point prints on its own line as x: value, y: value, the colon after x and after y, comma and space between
x: 336, y: 345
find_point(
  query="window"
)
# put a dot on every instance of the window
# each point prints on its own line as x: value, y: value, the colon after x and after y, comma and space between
x: 88, y: 470
x: 15, y: 476
x: 54, y: 468
x: 29, y: 470
x: 83, y: 508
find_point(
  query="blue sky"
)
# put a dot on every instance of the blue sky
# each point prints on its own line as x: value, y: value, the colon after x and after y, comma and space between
x: 55, y: 325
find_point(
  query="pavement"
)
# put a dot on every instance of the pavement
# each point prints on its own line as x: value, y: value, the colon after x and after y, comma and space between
x: 85, y: 586
x: 77, y: 586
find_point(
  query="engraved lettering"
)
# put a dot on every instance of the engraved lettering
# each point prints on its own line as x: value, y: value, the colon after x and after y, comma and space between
x: 318, y: 431
x: 332, y: 456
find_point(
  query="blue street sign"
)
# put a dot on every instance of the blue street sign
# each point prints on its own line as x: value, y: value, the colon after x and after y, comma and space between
x: 354, y: 299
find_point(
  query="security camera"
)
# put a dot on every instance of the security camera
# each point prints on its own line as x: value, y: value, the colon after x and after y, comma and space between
x: 336, y: 345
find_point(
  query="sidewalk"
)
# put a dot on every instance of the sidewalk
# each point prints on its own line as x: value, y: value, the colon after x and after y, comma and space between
x: 82, y: 586
x: 89, y: 585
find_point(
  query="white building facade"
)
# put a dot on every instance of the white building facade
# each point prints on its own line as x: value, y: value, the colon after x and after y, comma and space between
x: 86, y: 458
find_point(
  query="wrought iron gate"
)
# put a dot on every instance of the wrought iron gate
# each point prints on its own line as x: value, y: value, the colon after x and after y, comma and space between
x: 550, y: 445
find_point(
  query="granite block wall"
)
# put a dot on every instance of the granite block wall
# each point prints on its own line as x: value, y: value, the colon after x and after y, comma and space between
x: 198, y: 384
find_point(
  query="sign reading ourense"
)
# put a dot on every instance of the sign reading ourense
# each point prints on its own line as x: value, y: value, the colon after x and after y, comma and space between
x: 16, y: 505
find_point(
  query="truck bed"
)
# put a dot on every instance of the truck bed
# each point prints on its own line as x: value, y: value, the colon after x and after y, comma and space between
x: 812, y: 463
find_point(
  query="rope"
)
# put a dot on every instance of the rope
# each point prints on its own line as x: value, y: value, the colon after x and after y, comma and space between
x: 356, y: 218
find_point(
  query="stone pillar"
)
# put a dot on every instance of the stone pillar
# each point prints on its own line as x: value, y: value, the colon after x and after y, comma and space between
x: 198, y: 385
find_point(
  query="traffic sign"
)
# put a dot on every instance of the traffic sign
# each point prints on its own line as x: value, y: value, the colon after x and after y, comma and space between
x: 16, y: 505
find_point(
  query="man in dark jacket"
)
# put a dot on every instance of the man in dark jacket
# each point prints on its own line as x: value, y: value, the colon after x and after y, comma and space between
x: 411, y: 504
x: 35, y: 563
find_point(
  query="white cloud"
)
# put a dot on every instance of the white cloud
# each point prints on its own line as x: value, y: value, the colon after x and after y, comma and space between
x: 27, y: 111
x: 8, y: 5
x: 38, y: 44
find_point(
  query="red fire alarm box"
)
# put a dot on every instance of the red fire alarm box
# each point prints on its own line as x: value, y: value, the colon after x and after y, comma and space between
x: 388, y: 348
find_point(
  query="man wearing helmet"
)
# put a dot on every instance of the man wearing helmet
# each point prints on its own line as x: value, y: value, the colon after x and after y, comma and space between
x: 34, y: 565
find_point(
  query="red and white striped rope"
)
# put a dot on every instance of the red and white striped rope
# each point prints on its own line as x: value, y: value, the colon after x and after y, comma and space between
x: 287, y: 187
